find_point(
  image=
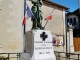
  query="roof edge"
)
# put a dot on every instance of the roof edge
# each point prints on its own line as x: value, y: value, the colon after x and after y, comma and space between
x: 55, y: 4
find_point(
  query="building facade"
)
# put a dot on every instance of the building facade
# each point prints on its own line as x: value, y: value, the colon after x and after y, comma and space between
x: 73, y: 18
x: 11, y: 29
x: 56, y: 25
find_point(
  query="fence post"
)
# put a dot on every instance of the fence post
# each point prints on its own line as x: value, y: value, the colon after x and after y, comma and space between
x: 67, y: 56
x: 17, y: 56
x: 8, y: 56
x: 78, y: 56
x: 58, y: 56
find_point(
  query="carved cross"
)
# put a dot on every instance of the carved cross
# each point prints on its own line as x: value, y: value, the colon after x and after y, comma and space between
x: 43, y: 36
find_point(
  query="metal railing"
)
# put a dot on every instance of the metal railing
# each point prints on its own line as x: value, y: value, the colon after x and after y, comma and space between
x: 66, y: 56
x: 59, y: 56
x: 9, y: 56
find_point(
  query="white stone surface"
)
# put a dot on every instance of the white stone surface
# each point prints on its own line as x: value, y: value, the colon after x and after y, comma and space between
x: 71, y: 41
x: 70, y: 45
x: 42, y: 50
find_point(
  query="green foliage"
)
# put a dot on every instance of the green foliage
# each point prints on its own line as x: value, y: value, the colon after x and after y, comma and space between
x: 2, y: 57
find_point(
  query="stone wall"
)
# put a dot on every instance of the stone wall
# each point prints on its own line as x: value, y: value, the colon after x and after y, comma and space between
x: 11, y: 30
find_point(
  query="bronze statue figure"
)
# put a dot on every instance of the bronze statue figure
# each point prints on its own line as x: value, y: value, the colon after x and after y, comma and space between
x: 37, y: 14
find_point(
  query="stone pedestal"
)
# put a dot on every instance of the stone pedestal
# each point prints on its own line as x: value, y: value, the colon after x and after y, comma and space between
x: 38, y: 46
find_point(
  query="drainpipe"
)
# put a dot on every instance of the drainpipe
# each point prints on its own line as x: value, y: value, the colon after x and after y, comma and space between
x: 66, y: 35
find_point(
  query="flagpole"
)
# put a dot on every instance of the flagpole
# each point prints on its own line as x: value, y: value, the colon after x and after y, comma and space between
x: 47, y: 20
x: 46, y: 24
x: 24, y: 15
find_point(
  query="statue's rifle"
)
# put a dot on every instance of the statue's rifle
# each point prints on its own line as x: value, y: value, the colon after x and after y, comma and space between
x: 38, y: 18
x: 42, y: 28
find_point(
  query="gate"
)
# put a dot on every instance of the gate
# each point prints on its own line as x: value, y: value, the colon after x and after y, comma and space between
x: 76, y: 41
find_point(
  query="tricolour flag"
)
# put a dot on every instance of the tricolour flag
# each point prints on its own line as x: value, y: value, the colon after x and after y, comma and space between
x: 28, y: 14
x: 49, y: 17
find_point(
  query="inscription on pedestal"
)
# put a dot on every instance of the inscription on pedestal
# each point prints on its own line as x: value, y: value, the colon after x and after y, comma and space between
x: 28, y: 41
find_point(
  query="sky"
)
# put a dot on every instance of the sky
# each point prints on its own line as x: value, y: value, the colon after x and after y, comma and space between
x: 71, y: 4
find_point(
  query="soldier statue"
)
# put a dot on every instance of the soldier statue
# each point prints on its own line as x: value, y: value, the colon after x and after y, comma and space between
x: 37, y: 14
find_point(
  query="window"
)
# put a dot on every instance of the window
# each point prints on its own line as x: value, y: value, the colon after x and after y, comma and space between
x: 74, y: 19
x: 67, y: 20
x: 71, y: 22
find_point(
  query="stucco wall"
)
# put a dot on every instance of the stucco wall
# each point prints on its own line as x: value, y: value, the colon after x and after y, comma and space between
x: 56, y: 24
x: 11, y: 30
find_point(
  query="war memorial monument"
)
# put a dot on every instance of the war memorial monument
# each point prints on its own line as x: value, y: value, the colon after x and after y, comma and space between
x: 38, y: 42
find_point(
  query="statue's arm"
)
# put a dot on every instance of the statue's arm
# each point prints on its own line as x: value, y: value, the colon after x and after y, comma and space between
x: 40, y: 2
x: 34, y: 1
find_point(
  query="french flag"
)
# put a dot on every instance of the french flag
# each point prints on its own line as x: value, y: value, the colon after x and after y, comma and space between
x: 28, y: 14
x: 49, y: 17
